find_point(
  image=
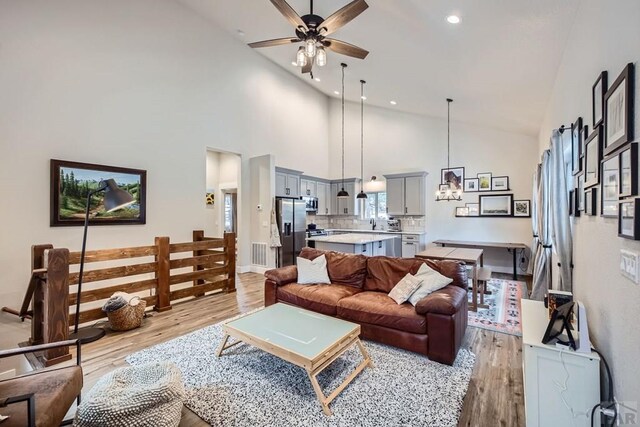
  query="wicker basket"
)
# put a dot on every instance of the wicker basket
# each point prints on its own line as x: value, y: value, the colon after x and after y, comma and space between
x: 127, y: 317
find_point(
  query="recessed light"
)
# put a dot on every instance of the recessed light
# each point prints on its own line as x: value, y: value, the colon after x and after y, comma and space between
x: 364, y: 98
x: 317, y: 79
x: 336, y: 92
x: 393, y: 102
x: 241, y: 33
x: 453, y: 19
x: 294, y: 63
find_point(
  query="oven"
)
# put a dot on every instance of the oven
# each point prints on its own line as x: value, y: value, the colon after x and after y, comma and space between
x: 314, y: 233
x: 311, y: 203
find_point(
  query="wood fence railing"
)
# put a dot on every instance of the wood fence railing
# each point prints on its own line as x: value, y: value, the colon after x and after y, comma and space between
x: 162, y: 270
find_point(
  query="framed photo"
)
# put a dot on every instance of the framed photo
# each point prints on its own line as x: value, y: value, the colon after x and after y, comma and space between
x: 496, y: 205
x: 443, y: 187
x: 522, y: 208
x: 590, y: 201
x: 618, y: 102
x: 500, y: 183
x: 453, y: 175
x: 597, y: 99
x: 580, y: 190
x: 576, y: 146
x: 462, y: 211
x: 610, y: 181
x: 471, y: 185
x: 629, y: 171
x: 574, y: 201
x: 484, y: 181
x: 592, y: 158
x: 474, y: 209
x: 72, y: 181
x: 629, y: 219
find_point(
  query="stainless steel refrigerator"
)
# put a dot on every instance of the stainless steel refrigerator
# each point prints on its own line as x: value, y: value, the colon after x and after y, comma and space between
x: 292, y: 225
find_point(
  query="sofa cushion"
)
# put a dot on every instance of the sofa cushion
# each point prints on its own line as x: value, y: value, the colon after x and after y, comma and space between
x: 448, y: 300
x: 405, y: 288
x: 320, y: 298
x: 313, y: 271
x: 384, y: 272
x: 344, y: 269
x: 431, y: 282
x: 377, y: 308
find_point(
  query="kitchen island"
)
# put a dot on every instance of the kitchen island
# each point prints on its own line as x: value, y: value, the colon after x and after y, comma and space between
x: 354, y: 243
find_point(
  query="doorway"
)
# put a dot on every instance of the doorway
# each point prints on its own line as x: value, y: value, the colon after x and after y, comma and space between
x: 222, y: 188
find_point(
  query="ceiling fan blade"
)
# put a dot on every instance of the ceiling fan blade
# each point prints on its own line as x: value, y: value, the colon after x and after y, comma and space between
x: 288, y: 12
x: 345, y: 48
x: 274, y: 42
x: 342, y: 17
x: 307, y: 68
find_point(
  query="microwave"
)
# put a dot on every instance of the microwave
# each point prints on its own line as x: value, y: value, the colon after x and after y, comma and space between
x: 311, y: 203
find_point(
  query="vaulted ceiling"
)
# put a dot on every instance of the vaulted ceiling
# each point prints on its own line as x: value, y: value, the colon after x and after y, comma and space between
x: 499, y: 63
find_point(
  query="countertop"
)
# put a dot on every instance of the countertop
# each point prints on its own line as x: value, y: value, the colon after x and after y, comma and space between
x: 353, y: 238
x: 347, y: 230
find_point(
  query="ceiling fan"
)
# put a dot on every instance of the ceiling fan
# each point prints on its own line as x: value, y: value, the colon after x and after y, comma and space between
x: 313, y: 31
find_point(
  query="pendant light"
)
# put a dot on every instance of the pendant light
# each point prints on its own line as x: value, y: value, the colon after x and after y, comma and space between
x: 342, y: 193
x: 362, y: 194
x: 451, y: 193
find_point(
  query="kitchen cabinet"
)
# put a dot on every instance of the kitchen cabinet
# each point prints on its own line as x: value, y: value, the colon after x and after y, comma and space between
x: 406, y: 194
x: 308, y: 188
x: 287, y: 183
x: 412, y: 244
x: 323, y: 193
x: 348, y: 205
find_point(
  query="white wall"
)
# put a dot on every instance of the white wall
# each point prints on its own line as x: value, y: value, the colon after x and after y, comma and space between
x: 399, y: 142
x: 605, y: 36
x: 146, y: 84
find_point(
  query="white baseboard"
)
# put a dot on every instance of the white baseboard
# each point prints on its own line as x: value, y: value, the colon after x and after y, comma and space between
x: 258, y: 269
x: 252, y: 269
x: 243, y: 269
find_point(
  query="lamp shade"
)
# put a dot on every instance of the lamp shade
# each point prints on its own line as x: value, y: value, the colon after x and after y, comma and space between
x: 114, y: 197
x: 342, y: 193
x: 361, y: 195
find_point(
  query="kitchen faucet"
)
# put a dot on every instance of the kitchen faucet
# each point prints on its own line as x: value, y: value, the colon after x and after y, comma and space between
x: 373, y: 223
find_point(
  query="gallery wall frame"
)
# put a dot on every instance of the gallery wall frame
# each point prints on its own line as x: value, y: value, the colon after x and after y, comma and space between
x: 484, y: 179
x: 592, y: 158
x: 70, y: 183
x: 628, y: 171
x: 598, y: 91
x: 618, y: 110
x: 522, y: 208
x: 471, y: 185
x: 591, y: 201
x: 629, y: 219
x: 576, y: 145
x: 610, y: 186
x: 453, y: 175
x: 495, y: 205
x: 500, y: 183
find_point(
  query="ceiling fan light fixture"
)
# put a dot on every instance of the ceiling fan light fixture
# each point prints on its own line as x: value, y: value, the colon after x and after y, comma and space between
x: 310, y: 47
x: 321, y: 57
x: 301, y: 58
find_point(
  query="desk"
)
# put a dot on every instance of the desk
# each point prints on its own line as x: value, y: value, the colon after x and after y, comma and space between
x: 511, y: 247
x: 473, y: 257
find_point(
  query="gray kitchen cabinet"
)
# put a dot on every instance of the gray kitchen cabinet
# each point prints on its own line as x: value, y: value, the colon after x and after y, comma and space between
x: 287, y: 183
x: 308, y: 187
x: 323, y: 193
x: 345, y: 206
x: 406, y: 194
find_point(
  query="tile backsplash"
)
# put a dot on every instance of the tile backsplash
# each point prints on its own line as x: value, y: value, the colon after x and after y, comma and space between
x: 415, y: 223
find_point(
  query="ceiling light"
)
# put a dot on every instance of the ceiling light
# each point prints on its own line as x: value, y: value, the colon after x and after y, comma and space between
x: 294, y: 63
x: 321, y: 57
x: 393, y: 102
x: 364, y: 98
x: 301, y: 58
x: 336, y: 92
x: 310, y: 47
x: 317, y: 79
x: 453, y: 19
x: 452, y: 189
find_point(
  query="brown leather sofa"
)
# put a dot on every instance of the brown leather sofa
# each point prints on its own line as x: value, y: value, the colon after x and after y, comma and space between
x: 358, y: 292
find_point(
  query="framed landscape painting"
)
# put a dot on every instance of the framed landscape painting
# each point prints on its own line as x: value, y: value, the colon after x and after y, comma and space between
x: 71, y: 182
x: 496, y: 205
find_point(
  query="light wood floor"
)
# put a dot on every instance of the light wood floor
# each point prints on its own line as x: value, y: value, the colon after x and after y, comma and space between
x: 495, y: 395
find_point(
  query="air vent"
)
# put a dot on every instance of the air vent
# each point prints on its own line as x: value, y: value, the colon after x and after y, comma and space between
x: 259, y: 254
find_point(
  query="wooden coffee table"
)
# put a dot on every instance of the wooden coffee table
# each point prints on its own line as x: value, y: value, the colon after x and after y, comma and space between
x: 302, y: 337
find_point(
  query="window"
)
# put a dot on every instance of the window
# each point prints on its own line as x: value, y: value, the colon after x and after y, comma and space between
x: 376, y: 206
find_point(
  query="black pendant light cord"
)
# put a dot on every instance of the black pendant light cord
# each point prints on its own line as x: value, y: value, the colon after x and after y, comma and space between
x: 343, y: 65
x: 449, y: 101
x: 362, y: 82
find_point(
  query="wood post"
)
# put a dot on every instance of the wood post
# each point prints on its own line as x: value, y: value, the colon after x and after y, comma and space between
x: 198, y: 236
x: 56, y: 305
x: 230, y: 249
x: 163, y: 302
x: 37, y: 321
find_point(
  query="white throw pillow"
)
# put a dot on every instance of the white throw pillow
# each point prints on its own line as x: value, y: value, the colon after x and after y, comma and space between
x: 405, y: 287
x: 431, y: 281
x: 313, y: 272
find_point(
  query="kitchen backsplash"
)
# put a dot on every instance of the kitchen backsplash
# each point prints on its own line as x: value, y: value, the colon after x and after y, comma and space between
x: 416, y: 223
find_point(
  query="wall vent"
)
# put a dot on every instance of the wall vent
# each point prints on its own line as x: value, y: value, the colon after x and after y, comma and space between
x: 259, y: 253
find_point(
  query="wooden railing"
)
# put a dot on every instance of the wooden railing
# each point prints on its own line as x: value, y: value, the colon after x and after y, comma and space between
x: 160, y: 269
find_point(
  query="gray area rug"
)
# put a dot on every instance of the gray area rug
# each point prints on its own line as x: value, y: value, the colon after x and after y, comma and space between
x: 248, y: 387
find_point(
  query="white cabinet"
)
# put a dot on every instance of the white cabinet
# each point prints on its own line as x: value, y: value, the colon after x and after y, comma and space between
x: 406, y: 194
x: 323, y: 193
x: 308, y: 188
x: 287, y: 183
x: 560, y: 386
x: 380, y: 248
x: 345, y: 205
x: 412, y: 244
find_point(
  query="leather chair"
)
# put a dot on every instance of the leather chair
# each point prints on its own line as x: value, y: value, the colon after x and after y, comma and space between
x: 40, y: 398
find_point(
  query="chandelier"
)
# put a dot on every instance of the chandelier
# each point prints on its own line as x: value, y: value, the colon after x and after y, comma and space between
x: 449, y: 191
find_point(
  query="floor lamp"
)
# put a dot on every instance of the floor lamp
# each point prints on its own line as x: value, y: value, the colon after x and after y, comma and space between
x: 114, y: 198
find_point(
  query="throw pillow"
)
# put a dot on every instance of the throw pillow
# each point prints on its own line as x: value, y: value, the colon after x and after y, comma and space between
x: 431, y: 282
x: 404, y: 288
x: 313, y: 272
